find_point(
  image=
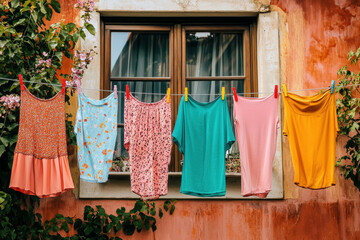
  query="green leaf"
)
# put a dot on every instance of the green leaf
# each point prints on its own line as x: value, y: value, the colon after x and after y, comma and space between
x: 153, y: 227
x: 42, y: 9
x: 34, y: 16
x: 65, y: 227
x: 20, y: 21
x: 90, y: 28
x: 128, y: 228
x: 70, y: 26
x: 88, y: 229
x: 147, y: 224
x: 2, y: 150
x: 49, y: 12
x: 3, y: 43
x: 153, y: 211
x: 56, y: 6
x: 160, y: 213
x: 52, y: 44
x: 82, y: 34
x: 15, y: 3
x: 172, y: 209
x: 4, y: 141
x: 78, y: 223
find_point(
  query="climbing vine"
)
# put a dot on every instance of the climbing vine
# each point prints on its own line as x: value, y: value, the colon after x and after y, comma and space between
x: 31, y: 46
x: 348, y: 106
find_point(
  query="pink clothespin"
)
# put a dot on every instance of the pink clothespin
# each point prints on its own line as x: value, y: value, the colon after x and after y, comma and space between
x: 115, y: 91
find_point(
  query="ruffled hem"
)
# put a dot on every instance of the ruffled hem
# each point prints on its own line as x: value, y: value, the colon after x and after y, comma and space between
x: 41, y: 177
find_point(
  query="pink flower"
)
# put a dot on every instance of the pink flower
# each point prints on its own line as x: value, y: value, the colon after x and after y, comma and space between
x: 82, y: 56
x: 44, y: 54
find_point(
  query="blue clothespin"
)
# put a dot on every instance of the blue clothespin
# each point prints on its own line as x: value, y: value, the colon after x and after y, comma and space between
x: 332, y: 86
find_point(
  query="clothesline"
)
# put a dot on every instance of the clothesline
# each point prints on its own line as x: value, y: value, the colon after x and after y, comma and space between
x: 178, y: 94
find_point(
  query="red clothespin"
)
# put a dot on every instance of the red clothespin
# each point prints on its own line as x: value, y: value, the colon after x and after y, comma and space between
x: 127, y: 92
x: 235, y: 94
x: 21, y: 82
x: 115, y: 91
x: 63, y: 85
x: 276, y: 91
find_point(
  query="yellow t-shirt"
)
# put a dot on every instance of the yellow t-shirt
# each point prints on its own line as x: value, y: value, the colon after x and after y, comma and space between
x: 311, y: 126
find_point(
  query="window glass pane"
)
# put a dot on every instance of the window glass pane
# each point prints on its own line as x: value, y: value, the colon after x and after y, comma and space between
x: 135, y: 54
x: 214, y: 88
x: 121, y: 156
x: 137, y: 89
x: 214, y: 54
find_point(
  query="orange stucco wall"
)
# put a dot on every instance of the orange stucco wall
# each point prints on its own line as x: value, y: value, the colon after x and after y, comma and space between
x: 315, y: 37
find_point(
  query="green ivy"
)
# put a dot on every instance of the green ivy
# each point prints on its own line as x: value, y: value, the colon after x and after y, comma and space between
x: 24, y: 39
x: 348, y: 107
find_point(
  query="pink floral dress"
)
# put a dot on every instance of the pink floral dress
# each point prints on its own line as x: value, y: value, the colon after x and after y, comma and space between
x: 147, y: 137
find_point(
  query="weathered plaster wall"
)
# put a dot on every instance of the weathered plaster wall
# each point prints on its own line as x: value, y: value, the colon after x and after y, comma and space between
x: 315, y: 37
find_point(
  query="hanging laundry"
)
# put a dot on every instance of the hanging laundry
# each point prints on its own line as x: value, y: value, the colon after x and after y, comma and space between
x: 40, y: 165
x: 96, y: 130
x: 256, y: 125
x: 311, y: 126
x: 203, y: 134
x: 147, y: 138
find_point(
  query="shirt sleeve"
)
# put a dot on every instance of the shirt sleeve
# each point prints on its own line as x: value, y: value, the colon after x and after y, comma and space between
x: 230, y: 138
x: 178, y: 135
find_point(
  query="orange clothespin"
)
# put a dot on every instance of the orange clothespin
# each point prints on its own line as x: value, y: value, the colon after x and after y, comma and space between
x: 222, y: 93
x: 63, y: 85
x: 235, y: 94
x: 127, y: 92
x: 168, y: 95
x: 115, y: 91
x: 276, y: 91
x: 284, y: 90
x: 21, y: 82
x: 186, y: 94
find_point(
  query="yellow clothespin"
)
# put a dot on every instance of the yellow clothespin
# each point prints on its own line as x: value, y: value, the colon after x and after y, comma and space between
x: 186, y: 94
x: 168, y: 95
x: 284, y: 90
x: 222, y: 93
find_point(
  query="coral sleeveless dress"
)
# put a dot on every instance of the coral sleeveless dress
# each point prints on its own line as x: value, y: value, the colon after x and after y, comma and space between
x: 40, y: 165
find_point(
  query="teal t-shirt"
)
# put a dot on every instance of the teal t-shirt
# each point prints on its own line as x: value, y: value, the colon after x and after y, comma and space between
x: 203, y: 134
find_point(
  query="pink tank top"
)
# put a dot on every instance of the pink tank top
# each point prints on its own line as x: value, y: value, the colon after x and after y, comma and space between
x: 256, y: 123
x: 147, y: 137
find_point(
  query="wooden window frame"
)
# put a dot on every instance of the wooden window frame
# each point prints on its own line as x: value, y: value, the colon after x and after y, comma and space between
x: 177, y: 58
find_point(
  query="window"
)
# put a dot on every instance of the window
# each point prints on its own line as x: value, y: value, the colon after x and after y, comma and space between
x: 152, y: 54
x: 151, y: 58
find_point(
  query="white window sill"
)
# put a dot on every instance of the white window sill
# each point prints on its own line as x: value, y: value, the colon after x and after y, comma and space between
x: 118, y: 187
